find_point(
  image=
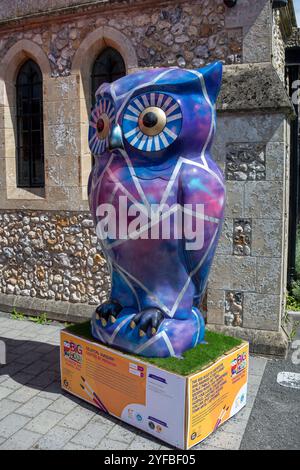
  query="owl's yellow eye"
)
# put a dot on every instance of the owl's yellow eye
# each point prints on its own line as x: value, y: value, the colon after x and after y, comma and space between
x: 102, y: 126
x: 152, y: 120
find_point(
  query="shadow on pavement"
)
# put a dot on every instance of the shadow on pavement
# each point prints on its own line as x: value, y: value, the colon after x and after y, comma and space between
x: 36, y: 365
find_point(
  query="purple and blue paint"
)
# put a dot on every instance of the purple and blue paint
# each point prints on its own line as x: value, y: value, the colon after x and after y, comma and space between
x: 151, y: 134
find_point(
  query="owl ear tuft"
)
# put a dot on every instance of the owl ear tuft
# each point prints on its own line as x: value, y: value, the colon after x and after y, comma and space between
x: 212, y: 74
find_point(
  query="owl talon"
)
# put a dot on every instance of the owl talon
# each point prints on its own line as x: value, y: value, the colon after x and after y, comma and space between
x: 108, y: 312
x: 148, y: 322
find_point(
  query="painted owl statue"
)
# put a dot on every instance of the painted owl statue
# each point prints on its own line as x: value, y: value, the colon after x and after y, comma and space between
x: 157, y: 200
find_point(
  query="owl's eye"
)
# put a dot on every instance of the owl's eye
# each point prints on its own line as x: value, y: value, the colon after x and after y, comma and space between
x: 103, y: 126
x: 100, y: 125
x: 152, y: 121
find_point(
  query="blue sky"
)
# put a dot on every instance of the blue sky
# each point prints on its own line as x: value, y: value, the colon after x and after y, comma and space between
x: 297, y: 10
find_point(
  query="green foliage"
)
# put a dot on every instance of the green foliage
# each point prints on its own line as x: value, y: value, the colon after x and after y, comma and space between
x: 17, y: 315
x: 193, y: 360
x: 41, y: 319
x: 292, y: 303
x: 296, y: 291
x: 293, y: 299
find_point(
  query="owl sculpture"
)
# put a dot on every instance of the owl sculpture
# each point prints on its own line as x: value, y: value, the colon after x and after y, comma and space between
x: 157, y: 200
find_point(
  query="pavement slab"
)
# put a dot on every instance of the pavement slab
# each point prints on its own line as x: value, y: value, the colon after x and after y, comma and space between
x: 36, y: 414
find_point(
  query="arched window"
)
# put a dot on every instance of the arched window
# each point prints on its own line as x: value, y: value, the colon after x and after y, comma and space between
x: 108, y: 67
x: 30, y: 142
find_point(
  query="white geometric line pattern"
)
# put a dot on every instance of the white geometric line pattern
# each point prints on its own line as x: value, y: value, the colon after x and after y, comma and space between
x: 169, y: 133
x: 181, y: 160
x: 104, y: 109
x: 155, y: 338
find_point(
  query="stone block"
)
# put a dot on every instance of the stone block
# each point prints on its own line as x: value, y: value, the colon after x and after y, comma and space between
x: 4, y: 391
x: 266, y: 237
x: 22, y: 440
x: 16, y: 382
x: 224, y: 440
x: 91, y: 435
x: 225, y: 242
x: 263, y: 199
x: 260, y: 34
x: 252, y: 128
x: 44, y: 422
x: 34, y: 406
x: 218, y: 153
x: 23, y: 394
x: 269, y: 275
x: 63, y: 405
x: 215, y: 306
x: 80, y: 312
x: 261, y: 311
x: 142, y: 443
x: 11, y: 424
x: 267, y: 343
x: 7, y: 406
x: 109, y: 444
x: 55, y: 439
x: 235, y: 191
x: 77, y: 418
x: 122, y: 433
x: 233, y: 273
x: 276, y: 154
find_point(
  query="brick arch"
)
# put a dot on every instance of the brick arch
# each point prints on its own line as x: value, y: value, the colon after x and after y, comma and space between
x: 18, y: 54
x: 82, y: 64
x: 98, y: 40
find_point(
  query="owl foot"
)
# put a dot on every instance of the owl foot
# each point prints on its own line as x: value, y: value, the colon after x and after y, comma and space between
x: 108, y: 312
x: 147, y: 321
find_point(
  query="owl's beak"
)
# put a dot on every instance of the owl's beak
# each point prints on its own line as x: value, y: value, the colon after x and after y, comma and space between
x: 115, y: 138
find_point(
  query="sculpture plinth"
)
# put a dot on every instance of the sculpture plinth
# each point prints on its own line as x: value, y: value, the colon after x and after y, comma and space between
x: 145, y: 394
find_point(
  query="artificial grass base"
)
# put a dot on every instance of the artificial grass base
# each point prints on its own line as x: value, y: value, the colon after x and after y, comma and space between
x: 192, y: 361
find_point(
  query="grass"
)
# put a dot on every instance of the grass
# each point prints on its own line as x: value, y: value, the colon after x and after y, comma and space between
x: 193, y: 360
x: 17, y: 315
x: 40, y: 319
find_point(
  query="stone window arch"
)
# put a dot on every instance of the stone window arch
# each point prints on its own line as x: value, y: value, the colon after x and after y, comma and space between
x: 89, y: 50
x: 30, y: 132
x: 10, y: 66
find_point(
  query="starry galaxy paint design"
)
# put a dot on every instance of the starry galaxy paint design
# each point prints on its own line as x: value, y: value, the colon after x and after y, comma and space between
x: 176, y: 168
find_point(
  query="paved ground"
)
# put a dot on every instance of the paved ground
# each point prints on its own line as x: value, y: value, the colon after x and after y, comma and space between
x: 36, y: 414
x: 275, y: 418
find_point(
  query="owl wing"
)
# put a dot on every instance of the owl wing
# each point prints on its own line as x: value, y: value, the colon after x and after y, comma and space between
x: 202, y: 195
